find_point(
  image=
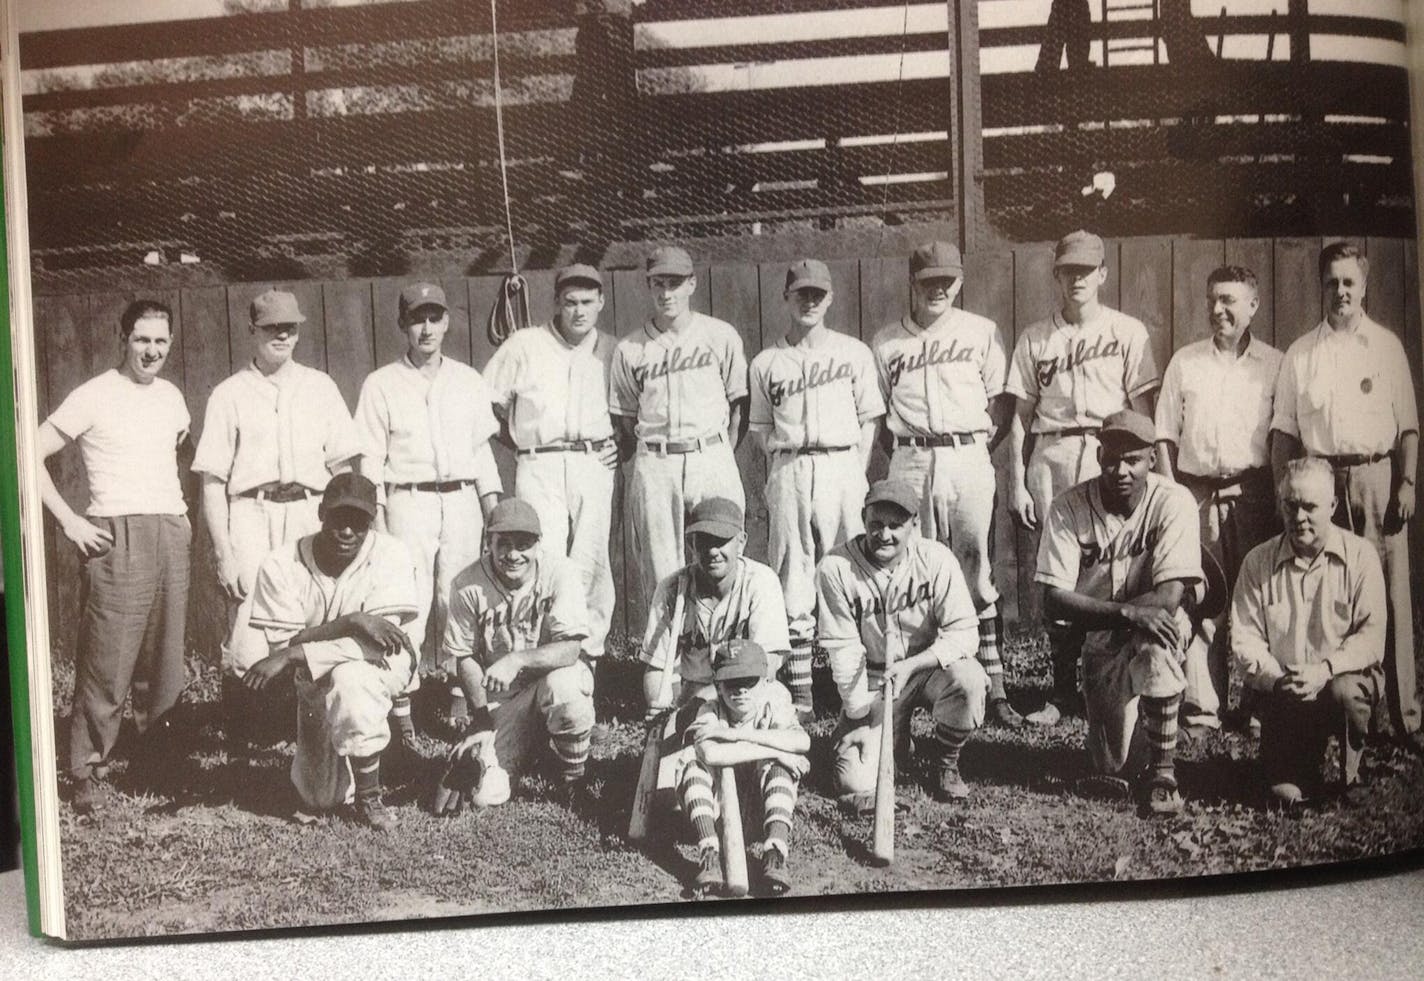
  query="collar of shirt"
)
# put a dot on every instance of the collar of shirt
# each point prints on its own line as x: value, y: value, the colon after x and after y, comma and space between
x: 1333, y: 546
x: 650, y: 326
x: 289, y: 370
x: 1359, y: 334
x: 1253, y: 350
x: 915, y: 330
x: 1061, y: 322
x: 815, y: 339
x: 586, y: 344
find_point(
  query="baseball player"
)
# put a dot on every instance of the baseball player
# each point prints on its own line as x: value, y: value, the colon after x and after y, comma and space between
x: 942, y: 373
x: 1345, y: 394
x: 749, y: 720
x: 550, y: 386
x: 890, y: 597
x: 677, y: 390
x: 333, y: 606
x: 273, y: 434
x: 515, y: 630
x: 815, y: 404
x: 1213, y: 419
x: 1308, y: 631
x: 1118, y: 556
x: 134, y: 536
x: 425, y: 424
x: 1068, y: 374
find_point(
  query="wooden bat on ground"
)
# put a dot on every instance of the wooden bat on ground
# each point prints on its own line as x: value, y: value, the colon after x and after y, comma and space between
x: 652, y: 749
x: 882, y: 845
x: 734, y: 846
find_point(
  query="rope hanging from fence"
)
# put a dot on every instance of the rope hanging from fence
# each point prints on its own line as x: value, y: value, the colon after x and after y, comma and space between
x: 511, y: 309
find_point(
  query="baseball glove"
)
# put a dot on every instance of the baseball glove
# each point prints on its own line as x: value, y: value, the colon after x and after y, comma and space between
x: 458, y: 784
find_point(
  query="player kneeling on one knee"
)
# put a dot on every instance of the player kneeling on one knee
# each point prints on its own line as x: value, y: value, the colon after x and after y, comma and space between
x: 894, y: 608
x: 517, y: 617
x: 1308, y: 631
x: 750, y: 720
x: 332, y: 605
x: 1120, y: 559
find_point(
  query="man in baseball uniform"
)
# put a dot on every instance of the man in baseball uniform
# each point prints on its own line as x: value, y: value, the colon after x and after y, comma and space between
x: 333, y: 606
x: 942, y: 373
x: 895, y: 609
x: 515, y: 630
x: 425, y: 424
x: 677, y: 390
x: 1308, y: 631
x: 1068, y: 374
x: 815, y: 403
x: 134, y: 537
x: 273, y: 434
x: 1213, y: 419
x: 1345, y: 394
x: 550, y: 388
x: 1119, y: 556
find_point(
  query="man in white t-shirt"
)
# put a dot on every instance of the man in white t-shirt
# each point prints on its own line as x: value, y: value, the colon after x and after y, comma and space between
x: 134, y: 537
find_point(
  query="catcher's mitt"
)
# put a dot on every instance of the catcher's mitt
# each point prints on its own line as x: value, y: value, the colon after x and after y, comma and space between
x: 458, y: 784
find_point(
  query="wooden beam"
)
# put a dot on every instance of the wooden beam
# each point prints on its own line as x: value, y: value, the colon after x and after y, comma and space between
x: 966, y: 125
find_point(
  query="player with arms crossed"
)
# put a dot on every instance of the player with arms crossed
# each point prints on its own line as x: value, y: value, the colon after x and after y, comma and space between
x: 1068, y: 374
x: 1118, y: 556
x: 815, y: 403
x: 942, y: 373
x: 890, y: 596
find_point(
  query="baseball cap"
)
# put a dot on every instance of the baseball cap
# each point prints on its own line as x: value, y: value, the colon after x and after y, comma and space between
x: 1080, y: 248
x: 669, y: 260
x: 1127, y: 426
x: 716, y: 516
x: 514, y: 515
x: 418, y: 295
x: 896, y: 492
x: 808, y: 272
x: 579, y: 273
x: 936, y: 260
x: 275, y: 307
x: 738, y: 659
x: 349, y: 490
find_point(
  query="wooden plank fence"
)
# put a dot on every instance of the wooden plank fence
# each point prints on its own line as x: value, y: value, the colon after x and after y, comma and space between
x: 351, y: 329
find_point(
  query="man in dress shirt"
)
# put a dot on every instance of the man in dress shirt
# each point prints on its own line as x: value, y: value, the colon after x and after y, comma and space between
x: 1345, y: 394
x: 1308, y: 631
x: 1213, y: 420
x: 273, y: 434
x: 425, y: 424
x: 550, y: 387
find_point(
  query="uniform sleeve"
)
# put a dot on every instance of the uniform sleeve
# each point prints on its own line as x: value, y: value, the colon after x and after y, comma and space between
x: 956, y: 620
x: 1022, y: 380
x: 502, y: 373
x: 182, y: 421
x: 1250, y: 641
x: 462, y: 631
x: 393, y: 592
x: 882, y: 373
x: 1363, y: 644
x: 567, y: 618
x: 1284, y: 415
x: 869, y: 392
x: 1177, y: 552
x: 706, y: 717
x: 659, y: 642
x: 839, y: 631
x: 276, y: 607
x: 1139, y: 368
x: 1169, y: 403
x: 373, y: 428
x: 217, y: 447
x: 734, y: 366
x: 995, y: 367
x: 623, y: 389
x: 767, y: 616
x: 780, y: 709
x: 759, y: 419
x: 1058, y: 549
x: 76, y: 414
x: 342, y: 441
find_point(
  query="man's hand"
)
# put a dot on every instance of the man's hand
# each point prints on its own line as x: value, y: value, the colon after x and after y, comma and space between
x: 858, y: 737
x: 87, y: 536
x: 228, y: 577
x: 716, y: 733
x: 796, y: 763
x: 1304, y: 681
x: 270, y: 668
x: 896, y: 675
x: 1404, y: 503
x: 1157, y: 623
x: 608, y: 456
x: 379, y: 633
x: 1021, y: 507
x: 500, y: 675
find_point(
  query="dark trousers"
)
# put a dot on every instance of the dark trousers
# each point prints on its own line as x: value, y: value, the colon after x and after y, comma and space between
x: 1294, y: 733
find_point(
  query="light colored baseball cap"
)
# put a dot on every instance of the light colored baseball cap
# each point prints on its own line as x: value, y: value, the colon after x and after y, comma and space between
x: 936, y: 260
x: 418, y: 295
x: 669, y: 260
x: 808, y: 272
x: 897, y: 492
x: 1080, y: 248
x: 275, y: 307
x: 514, y: 515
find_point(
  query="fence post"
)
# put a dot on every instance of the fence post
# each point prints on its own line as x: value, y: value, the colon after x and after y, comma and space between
x: 966, y: 125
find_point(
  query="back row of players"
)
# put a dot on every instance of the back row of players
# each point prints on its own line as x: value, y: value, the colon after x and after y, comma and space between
x: 1119, y: 557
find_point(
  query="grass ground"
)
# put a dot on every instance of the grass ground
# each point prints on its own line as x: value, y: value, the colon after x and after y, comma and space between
x: 202, y: 840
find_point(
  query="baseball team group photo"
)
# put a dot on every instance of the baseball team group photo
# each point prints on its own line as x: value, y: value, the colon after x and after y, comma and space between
x: 1016, y: 525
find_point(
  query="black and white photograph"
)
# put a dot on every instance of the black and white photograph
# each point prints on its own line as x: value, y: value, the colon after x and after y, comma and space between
x: 494, y: 456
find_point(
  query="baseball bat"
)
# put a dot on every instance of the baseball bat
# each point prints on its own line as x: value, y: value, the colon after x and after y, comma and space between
x: 652, y: 749
x: 882, y: 844
x: 734, y: 846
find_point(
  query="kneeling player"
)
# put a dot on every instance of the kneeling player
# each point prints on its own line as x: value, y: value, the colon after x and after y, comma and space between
x: 890, y: 597
x: 1118, y: 555
x: 517, y: 617
x: 750, y: 720
x: 331, y: 605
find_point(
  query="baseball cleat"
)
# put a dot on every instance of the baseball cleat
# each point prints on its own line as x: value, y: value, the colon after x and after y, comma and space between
x: 950, y: 786
x: 1049, y: 715
x: 373, y: 813
x: 1103, y: 786
x: 1002, y: 714
x: 1163, y: 798
x: 774, y: 873
x: 1287, y: 794
x: 709, y: 873
x: 90, y: 795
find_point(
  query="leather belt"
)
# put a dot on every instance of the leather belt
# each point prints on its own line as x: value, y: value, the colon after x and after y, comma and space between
x: 940, y: 439
x: 279, y: 493
x: 433, y: 486
x: 664, y: 446
x: 570, y: 446
x: 1341, y: 460
x: 1074, y: 431
x: 1241, y: 477
x: 811, y: 450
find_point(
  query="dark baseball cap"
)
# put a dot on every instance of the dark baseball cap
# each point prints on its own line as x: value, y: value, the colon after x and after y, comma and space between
x: 514, y: 515
x: 808, y: 272
x: 738, y: 658
x: 418, y: 295
x: 936, y: 260
x: 1080, y: 248
x: 275, y: 307
x: 578, y: 274
x: 904, y: 496
x: 349, y: 490
x: 718, y: 516
x: 669, y: 260
x: 1128, y: 428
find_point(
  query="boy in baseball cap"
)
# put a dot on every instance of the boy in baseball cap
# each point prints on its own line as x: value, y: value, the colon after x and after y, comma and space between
x: 750, y: 720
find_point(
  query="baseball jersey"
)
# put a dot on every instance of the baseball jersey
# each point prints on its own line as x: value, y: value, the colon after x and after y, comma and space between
x: 489, y: 620
x: 867, y: 615
x: 291, y: 426
x: 417, y: 428
x: 293, y: 593
x: 679, y: 384
x: 1087, y: 549
x: 815, y: 393
x: 549, y: 390
x: 128, y: 434
x: 1217, y: 407
x: 753, y: 609
x: 1079, y: 374
x: 940, y: 379
x: 1346, y: 391
x: 772, y: 708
